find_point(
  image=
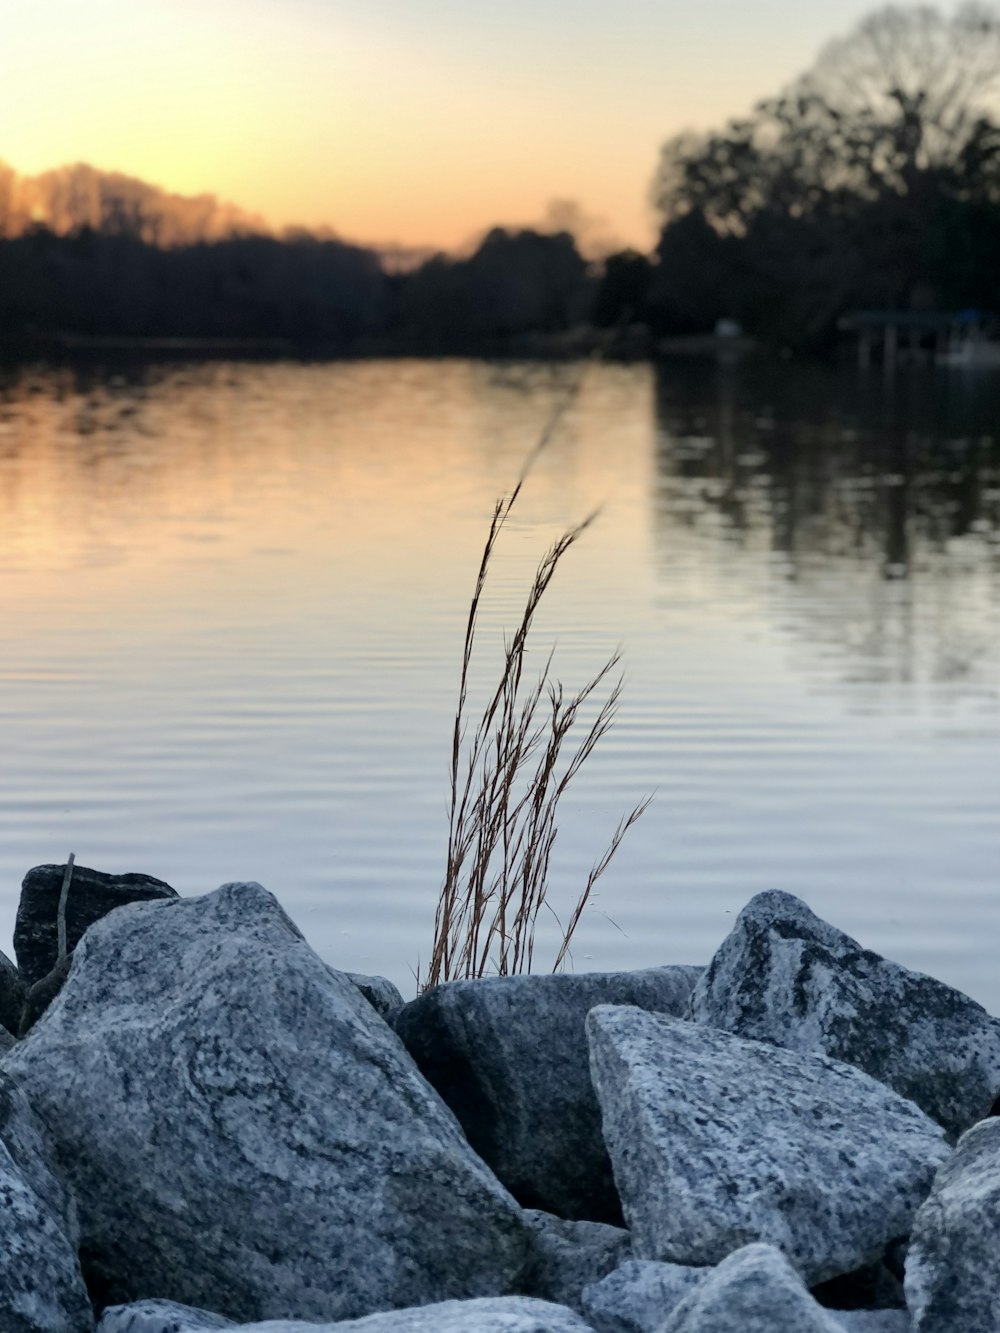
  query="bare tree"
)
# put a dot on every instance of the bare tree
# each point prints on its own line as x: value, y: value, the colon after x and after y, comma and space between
x: 930, y: 77
x: 908, y: 93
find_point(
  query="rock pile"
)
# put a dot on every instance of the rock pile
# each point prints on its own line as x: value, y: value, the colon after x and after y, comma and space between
x: 205, y: 1126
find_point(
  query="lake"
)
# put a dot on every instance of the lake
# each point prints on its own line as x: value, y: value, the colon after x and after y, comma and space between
x: 232, y: 599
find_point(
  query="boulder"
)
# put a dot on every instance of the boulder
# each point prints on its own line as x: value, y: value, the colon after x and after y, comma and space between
x: 513, y: 1314
x: 872, y: 1321
x: 754, y: 1290
x: 638, y: 1296
x: 92, y: 895
x: 12, y: 991
x: 380, y: 993
x: 41, y: 1286
x: 567, y: 1256
x: 952, y: 1276
x: 42, y: 993
x: 161, y: 1317
x: 245, y: 1134
x: 717, y: 1142
x: 785, y: 976
x: 509, y: 1056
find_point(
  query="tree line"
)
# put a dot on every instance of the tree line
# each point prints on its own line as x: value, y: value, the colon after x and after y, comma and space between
x: 873, y: 181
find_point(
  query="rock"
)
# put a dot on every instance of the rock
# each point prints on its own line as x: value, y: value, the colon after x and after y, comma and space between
x: 42, y: 993
x: 754, y: 1290
x: 380, y: 993
x: 41, y: 1286
x: 952, y: 1277
x: 161, y: 1317
x: 509, y: 1056
x: 513, y: 1314
x: 92, y: 895
x: 12, y: 991
x: 717, y: 1142
x: 638, y: 1296
x: 785, y: 976
x: 244, y: 1133
x: 568, y: 1256
x: 872, y: 1321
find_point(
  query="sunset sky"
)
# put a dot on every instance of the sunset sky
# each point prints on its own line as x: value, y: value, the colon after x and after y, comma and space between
x: 410, y: 121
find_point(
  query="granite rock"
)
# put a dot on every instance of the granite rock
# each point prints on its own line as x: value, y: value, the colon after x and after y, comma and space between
x: 244, y: 1133
x: 785, y: 976
x: 160, y: 1317
x: 512, y: 1314
x: 952, y: 1276
x: 92, y: 895
x: 41, y: 1286
x: 638, y: 1296
x: 717, y: 1142
x: 380, y: 993
x: 12, y: 992
x: 872, y: 1321
x: 42, y: 993
x: 754, y: 1290
x: 567, y: 1256
x: 509, y: 1056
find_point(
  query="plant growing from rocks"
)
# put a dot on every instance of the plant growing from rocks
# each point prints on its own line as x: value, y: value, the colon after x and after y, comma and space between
x: 506, y: 781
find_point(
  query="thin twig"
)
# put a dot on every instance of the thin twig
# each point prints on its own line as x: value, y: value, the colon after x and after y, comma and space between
x: 61, y: 910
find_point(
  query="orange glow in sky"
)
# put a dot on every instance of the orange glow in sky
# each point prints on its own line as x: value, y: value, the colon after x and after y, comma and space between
x: 409, y: 121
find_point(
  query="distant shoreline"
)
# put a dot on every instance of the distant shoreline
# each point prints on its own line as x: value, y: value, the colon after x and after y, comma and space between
x: 630, y: 345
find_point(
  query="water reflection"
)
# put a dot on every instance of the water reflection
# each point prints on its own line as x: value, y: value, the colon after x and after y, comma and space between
x: 849, y: 485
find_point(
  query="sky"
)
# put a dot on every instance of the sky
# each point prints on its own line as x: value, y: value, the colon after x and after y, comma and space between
x: 415, y: 122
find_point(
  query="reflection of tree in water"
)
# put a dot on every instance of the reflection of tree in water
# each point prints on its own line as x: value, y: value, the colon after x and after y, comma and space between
x: 871, y: 509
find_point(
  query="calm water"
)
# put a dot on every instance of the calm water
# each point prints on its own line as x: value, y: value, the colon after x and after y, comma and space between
x: 231, y: 606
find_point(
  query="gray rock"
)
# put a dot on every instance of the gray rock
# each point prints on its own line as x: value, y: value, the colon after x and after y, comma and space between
x: 161, y: 1317
x: 512, y: 1314
x: 41, y: 1286
x: 245, y: 1134
x: 12, y: 991
x: 952, y: 1277
x: 754, y: 1290
x: 380, y: 993
x: 872, y: 1321
x: 785, y: 976
x: 509, y: 1056
x: 28, y: 1145
x: 717, y: 1142
x: 638, y: 1296
x: 42, y: 993
x: 92, y: 895
x: 568, y: 1256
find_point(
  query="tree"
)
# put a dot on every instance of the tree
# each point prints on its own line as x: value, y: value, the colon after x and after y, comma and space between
x: 516, y: 282
x: 837, y: 192
x: 909, y: 96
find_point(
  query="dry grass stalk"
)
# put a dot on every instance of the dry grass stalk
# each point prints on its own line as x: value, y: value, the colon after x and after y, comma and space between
x: 505, y: 787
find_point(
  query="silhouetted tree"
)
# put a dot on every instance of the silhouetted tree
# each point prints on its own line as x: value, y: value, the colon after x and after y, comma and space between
x: 114, y: 283
x: 838, y: 191
x: 622, y: 290
x: 517, y: 282
x: 71, y: 198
